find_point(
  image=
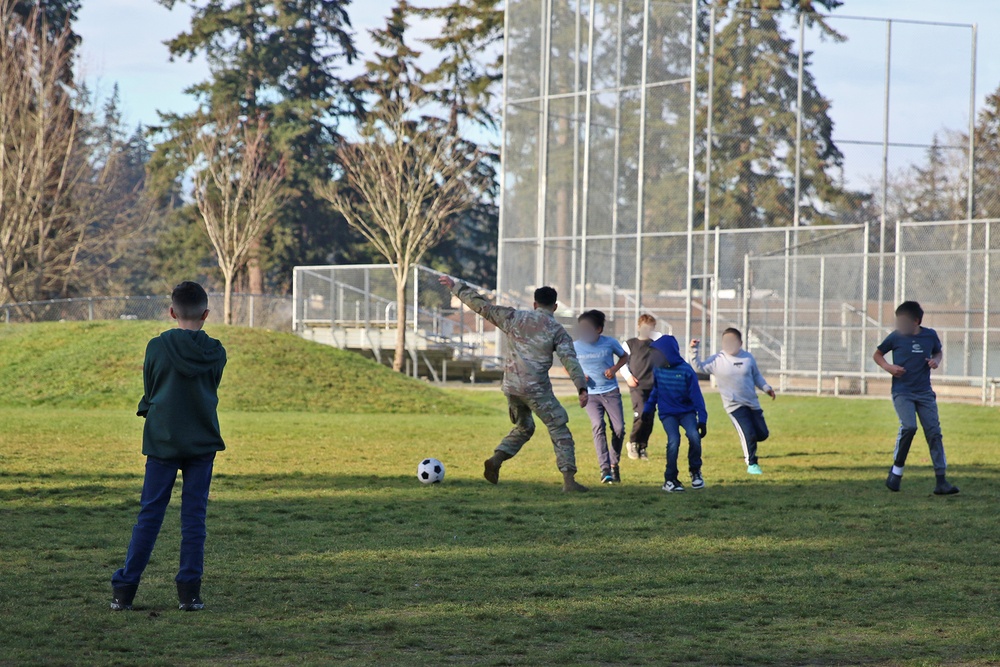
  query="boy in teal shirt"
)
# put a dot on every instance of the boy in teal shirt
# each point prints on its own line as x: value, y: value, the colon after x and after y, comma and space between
x: 181, y: 376
x: 597, y: 353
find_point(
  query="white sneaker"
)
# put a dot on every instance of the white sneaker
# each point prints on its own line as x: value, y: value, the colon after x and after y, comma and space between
x: 633, y: 451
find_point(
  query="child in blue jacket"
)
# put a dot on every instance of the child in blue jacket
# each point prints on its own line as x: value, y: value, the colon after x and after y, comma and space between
x: 677, y: 397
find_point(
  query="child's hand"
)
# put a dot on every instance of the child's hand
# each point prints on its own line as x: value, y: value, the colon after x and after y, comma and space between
x: 896, y: 371
x: 770, y: 392
x: 609, y: 374
x: 702, y: 429
x: 932, y: 363
x: 446, y: 281
x: 632, y: 382
x: 694, y: 343
x: 584, y: 398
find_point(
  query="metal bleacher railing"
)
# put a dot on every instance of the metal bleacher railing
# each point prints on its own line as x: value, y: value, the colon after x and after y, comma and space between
x: 354, y: 307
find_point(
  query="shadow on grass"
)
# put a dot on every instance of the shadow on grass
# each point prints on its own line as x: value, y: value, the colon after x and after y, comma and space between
x: 382, y: 570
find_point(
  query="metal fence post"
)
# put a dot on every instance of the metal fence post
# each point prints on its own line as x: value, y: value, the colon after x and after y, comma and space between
x: 798, y: 121
x: 746, y: 299
x: 822, y: 317
x: 90, y: 309
x: 641, y: 160
x: 692, y: 102
x: 864, y: 308
x: 252, y: 308
x: 885, y: 171
x: 785, y: 312
x: 295, y: 299
x: 898, y: 262
x: 986, y: 308
x: 715, y: 292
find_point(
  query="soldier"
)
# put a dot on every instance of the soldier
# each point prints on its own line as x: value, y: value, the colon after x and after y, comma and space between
x: 532, y: 337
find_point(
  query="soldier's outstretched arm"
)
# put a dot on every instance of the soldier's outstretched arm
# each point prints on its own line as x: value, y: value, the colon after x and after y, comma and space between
x: 498, y: 315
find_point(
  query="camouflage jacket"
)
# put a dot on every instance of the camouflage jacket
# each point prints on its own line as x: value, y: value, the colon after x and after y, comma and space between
x: 532, y: 337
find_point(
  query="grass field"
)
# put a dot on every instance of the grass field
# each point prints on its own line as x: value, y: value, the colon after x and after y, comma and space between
x: 324, y: 549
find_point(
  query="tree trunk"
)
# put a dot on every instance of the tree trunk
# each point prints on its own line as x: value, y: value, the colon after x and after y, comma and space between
x: 401, y: 280
x: 255, y: 274
x: 227, y: 299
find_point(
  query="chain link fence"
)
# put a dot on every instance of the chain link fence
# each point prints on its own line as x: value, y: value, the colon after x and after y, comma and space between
x: 815, y: 308
x: 719, y: 166
x: 249, y: 310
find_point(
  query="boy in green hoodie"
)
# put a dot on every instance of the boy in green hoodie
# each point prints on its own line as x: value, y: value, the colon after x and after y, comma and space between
x: 181, y: 376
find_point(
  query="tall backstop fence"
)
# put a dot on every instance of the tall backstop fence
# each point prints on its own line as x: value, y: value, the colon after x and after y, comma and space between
x: 716, y: 166
x: 250, y: 310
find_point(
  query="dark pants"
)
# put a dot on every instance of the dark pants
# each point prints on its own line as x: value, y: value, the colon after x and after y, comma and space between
x: 910, y: 407
x: 672, y: 424
x: 641, y: 428
x: 156, y: 488
x: 752, y: 428
x: 609, y: 404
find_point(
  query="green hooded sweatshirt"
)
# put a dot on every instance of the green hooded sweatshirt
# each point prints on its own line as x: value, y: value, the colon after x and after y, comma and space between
x: 181, y: 376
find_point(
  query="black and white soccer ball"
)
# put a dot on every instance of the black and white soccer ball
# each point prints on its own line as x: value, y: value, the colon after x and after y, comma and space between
x: 430, y: 471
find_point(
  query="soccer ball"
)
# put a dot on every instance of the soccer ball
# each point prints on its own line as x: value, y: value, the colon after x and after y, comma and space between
x: 430, y: 471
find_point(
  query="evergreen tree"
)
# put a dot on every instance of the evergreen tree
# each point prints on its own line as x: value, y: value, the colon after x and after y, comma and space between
x: 458, y: 91
x: 281, y: 60
x: 754, y: 120
x: 466, y: 83
x: 987, y: 170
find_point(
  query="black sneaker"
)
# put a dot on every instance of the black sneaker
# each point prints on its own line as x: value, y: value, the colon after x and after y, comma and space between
x: 643, y: 456
x: 893, y: 481
x: 607, y: 477
x: 616, y: 474
x: 673, y: 486
x: 697, y: 481
x: 189, y: 596
x: 945, y: 489
x: 122, y: 596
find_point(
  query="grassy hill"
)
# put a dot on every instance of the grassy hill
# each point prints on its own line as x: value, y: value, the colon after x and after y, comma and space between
x: 99, y: 365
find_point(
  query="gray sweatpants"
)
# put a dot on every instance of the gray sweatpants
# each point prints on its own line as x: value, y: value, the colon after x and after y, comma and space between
x: 598, y: 406
x: 910, y: 407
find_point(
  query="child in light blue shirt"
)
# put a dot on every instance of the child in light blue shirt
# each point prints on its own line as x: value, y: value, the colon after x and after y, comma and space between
x: 596, y: 353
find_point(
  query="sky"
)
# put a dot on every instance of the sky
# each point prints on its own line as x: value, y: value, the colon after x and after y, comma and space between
x: 930, y: 72
x: 123, y: 42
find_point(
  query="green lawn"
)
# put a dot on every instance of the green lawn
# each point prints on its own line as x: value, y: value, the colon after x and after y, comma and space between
x: 323, y: 548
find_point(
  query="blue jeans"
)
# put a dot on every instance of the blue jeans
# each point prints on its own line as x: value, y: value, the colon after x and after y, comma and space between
x: 598, y: 406
x: 910, y: 407
x: 156, y: 488
x: 672, y: 424
x: 751, y: 428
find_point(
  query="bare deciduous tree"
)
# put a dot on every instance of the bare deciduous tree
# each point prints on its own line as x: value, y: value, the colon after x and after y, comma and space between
x: 237, y: 189
x: 403, y: 184
x: 62, y: 215
x: 38, y: 134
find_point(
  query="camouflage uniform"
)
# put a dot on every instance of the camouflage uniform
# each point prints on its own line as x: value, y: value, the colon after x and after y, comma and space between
x: 532, y: 337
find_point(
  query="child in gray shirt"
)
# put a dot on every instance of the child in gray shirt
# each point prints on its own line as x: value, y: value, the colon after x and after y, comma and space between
x: 738, y: 378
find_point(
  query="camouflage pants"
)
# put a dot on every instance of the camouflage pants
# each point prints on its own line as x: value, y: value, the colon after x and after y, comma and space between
x: 552, y: 414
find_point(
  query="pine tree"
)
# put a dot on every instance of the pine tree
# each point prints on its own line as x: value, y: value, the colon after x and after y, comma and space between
x: 754, y: 120
x: 281, y: 60
x: 466, y: 82
x: 987, y: 171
